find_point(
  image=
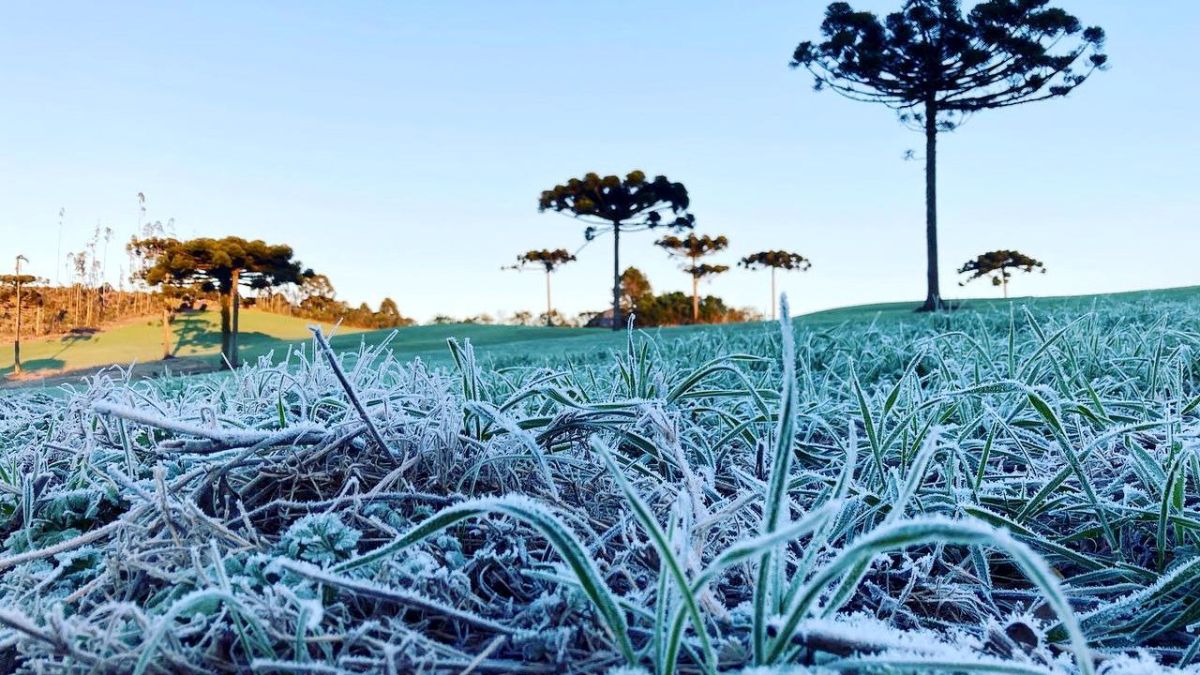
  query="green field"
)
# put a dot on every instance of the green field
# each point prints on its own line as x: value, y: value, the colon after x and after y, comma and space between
x: 197, y: 336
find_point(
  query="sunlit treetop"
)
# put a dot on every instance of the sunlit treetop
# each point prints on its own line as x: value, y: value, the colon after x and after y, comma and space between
x: 550, y: 259
x: 1001, y: 53
x: 210, y: 263
x: 633, y: 203
x: 693, y: 245
x: 783, y: 260
x: 1001, y: 262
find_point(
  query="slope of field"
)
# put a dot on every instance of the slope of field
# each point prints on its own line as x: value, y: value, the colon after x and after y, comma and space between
x: 197, y: 337
x: 1011, y: 489
x: 193, y: 335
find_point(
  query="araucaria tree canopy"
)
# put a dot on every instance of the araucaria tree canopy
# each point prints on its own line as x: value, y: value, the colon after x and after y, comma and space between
x: 1001, y: 264
x: 935, y: 66
x: 775, y: 260
x: 221, y: 265
x: 611, y: 204
x: 550, y: 260
x: 779, y: 260
x: 694, y: 247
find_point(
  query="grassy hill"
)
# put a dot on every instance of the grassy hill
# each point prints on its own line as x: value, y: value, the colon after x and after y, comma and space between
x: 959, y: 492
x: 197, y: 336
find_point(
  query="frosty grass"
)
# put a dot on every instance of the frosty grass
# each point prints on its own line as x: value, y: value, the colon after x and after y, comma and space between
x: 1008, y: 491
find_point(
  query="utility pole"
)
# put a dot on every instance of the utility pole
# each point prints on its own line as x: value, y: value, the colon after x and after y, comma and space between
x: 17, y: 338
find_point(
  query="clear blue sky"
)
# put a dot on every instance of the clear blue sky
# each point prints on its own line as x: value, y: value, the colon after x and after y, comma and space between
x: 400, y: 146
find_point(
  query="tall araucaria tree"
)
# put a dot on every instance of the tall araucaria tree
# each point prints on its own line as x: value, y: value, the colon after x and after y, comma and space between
x: 692, y: 248
x: 610, y: 204
x: 221, y: 265
x: 550, y: 260
x: 776, y: 260
x: 935, y: 66
x: 1001, y: 264
x: 17, y: 281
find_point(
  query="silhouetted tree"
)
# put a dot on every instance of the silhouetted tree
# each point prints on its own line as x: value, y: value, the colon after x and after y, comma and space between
x: 550, y: 260
x: 1001, y: 264
x: 692, y: 248
x: 223, y: 265
x: 775, y: 260
x: 17, y: 281
x: 610, y: 204
x: 936, y: 66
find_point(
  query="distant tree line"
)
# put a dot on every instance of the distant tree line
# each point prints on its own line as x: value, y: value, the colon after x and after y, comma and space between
x: 315, y: 298
x: 674, y: 308
x: 60, y: 310
x: 57, y: 310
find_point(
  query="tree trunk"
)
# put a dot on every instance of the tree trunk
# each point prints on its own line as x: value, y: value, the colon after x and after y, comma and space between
x: 933, y: 296
x: 237, y: 304
x: 695, y: 291
x: 226, y: 321
x: 616, y: 276
x: 1004, y: 285
x: 166, y: 331
x: 17, y: 338
x: 549, y: 306
x: 774, y: 303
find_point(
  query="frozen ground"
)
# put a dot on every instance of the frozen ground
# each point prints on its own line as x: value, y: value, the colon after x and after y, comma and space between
x: 984, y: 491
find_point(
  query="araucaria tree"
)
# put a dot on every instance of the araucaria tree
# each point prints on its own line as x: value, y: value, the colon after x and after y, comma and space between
x: 17, y: 281
x: 692, y: 248
x: 550, y: 260
x: 1001, y: 264
x: 935, y: 66
x: 775, y: 260
x: 610, y: 204
x: 221, y: 265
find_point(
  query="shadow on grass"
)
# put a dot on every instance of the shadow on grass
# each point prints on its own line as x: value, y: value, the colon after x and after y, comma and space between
x: 193, y: 332
x: 52, y: 362
x: 34, y: 365
x: 75, y: 337
x: 196, y: 335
